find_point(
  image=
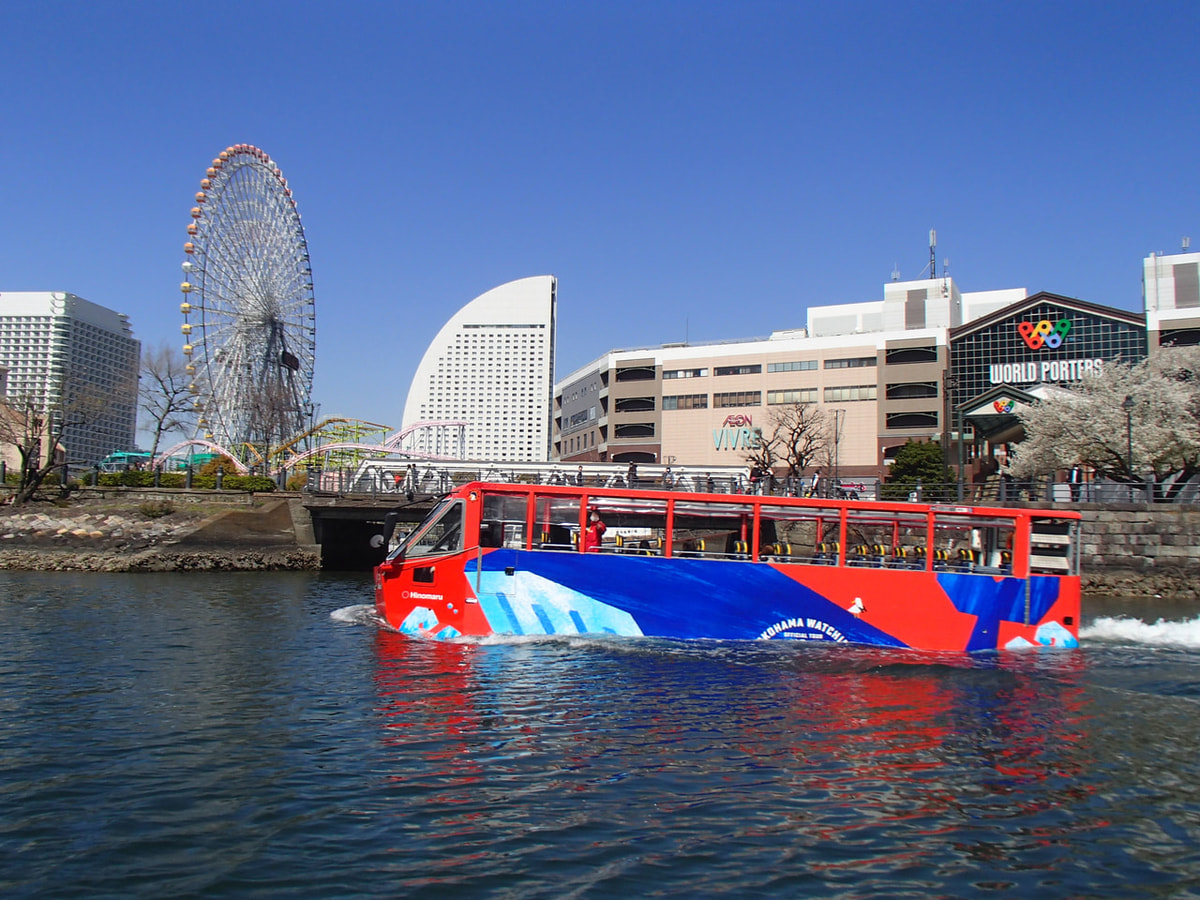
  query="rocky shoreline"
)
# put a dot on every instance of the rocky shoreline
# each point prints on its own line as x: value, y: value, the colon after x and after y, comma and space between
x: 166, y: 559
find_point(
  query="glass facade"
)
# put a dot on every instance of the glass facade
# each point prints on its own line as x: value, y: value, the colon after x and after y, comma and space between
x: 1053, y: 340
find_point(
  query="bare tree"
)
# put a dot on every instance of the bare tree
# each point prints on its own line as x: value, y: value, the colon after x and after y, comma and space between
x: 799, y: 436
x: 163, y: 393
x: 35, y: 429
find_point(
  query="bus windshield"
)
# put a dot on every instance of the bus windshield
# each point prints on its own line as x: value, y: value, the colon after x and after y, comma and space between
x: 441, y: 532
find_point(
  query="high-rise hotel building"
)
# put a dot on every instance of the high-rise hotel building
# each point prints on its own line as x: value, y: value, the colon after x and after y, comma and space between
x: 56, y: 346
x: 492, y: 366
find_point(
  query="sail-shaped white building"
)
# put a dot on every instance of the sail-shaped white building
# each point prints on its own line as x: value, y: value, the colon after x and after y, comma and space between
x: 492, y: 365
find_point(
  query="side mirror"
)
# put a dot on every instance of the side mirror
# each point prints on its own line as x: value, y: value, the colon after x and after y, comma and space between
x: 389, y: 529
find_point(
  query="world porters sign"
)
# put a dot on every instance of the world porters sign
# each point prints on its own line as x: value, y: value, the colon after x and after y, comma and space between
x: 1049, y: 370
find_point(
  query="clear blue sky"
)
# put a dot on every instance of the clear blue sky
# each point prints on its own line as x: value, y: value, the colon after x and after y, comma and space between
x: 699, y: 169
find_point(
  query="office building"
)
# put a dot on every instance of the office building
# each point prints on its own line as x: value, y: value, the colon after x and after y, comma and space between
x: 1171, y: 292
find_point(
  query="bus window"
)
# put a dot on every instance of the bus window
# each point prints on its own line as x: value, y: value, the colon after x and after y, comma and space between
x: 502, y: 523
x: 892, y: 539
x: 712, y: 530
x: 635, y: 525
x: 798, y: 534
x: 555, y: 523
x: 1054, y: 546
x: 972, y: 544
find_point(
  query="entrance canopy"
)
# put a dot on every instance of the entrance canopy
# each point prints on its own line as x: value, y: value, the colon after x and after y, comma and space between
x: 993, y: 414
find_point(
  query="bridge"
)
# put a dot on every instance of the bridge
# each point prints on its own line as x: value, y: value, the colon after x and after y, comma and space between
x: 347, y: 506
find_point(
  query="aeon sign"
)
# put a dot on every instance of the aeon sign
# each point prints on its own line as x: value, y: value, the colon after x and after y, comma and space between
x: 737, y: 432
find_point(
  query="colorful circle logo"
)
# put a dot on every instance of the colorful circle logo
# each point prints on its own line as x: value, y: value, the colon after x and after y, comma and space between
x: 1003, y: 406
x: 1044, y: 333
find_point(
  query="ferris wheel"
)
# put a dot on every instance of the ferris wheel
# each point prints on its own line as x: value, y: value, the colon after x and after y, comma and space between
x: 249, y: 313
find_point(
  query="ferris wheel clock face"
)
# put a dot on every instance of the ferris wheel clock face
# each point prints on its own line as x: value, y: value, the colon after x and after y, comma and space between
x: 249, y: 313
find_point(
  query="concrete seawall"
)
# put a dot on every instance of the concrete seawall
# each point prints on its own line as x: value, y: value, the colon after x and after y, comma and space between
x: 1141, y: 550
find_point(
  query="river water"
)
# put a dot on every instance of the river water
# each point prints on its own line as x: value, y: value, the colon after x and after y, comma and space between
x: 256, y: 735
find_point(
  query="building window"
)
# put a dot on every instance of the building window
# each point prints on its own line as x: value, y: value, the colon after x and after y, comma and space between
x: 634, y: 404
x: 803, y: 365
x: 915, y: 390
x: 686, y: 401
x: 1187, y: 285
x: 803, y: 395
x: 912, y: 420
x: 636, y: 373
x: 634, y: 430
x: 737, y: 398
x: 685, y: 373
x: 914, y: 309
x: 738, y: 370
x: 851, y: 393
x: 854, y: 362
x: 904, y: 355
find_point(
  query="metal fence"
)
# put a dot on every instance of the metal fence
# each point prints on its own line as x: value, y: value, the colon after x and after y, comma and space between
x: 398, y: 478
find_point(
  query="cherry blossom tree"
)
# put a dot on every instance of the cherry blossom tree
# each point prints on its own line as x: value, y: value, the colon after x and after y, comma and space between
x: 1127, y: 424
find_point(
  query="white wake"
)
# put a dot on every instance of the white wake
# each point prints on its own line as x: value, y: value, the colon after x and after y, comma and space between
x: 1164, y: 632
x: 359, y: 614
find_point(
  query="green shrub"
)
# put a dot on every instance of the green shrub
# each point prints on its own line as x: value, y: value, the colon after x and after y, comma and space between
x: 256, y: 483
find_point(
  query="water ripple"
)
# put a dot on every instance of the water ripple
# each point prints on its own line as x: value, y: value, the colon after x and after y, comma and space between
x: 259, y: 735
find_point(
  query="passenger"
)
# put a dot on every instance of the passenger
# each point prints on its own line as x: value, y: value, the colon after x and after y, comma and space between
x: 593, y: 535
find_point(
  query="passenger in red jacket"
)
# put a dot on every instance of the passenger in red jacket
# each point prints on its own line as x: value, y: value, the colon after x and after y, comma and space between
x: 594, y: 533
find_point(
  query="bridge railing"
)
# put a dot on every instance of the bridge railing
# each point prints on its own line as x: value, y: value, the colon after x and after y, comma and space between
x: 436, y: 478
x: 386, y: 478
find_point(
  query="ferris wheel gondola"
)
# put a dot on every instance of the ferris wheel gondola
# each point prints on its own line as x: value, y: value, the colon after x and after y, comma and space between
x: 248, y: 308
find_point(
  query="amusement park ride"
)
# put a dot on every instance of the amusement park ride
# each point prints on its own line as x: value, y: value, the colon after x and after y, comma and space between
x: 249, y: 328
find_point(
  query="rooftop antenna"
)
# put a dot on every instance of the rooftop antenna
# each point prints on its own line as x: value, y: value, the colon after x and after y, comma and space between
x: 933, y: 253
x: 895, y: 272
x: 1187, y: 243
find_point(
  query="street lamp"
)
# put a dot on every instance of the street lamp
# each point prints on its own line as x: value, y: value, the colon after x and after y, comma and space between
x: 951, y: 383
x: 838, y: 415
x: 1127, y: 405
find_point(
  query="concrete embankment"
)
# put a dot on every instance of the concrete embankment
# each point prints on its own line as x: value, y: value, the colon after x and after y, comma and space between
x: 158, y: 536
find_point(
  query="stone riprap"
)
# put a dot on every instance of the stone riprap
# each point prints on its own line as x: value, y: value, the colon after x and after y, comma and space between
x: 71, y: 539
x: 65, y: 528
